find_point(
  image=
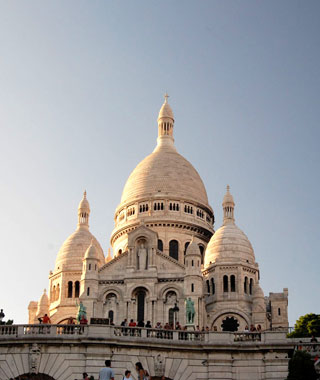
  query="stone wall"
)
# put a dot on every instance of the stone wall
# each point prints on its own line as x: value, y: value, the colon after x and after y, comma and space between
x: 65, y: 352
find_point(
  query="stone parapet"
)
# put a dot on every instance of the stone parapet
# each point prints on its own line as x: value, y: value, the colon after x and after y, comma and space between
x: 66, y: 351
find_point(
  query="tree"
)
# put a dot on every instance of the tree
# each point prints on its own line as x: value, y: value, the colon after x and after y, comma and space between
x: 306, y: 325
x: 301, y: 367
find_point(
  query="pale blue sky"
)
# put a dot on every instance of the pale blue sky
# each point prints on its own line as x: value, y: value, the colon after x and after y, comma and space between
x: 81, y: 83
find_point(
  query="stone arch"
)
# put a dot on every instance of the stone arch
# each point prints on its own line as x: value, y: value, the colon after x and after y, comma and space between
x: 165, y: 290
x: 135, y: 287
x: 112, y: 289
x: 215, y: 317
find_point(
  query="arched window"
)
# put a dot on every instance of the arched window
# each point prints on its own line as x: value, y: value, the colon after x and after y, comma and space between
x: 70, y: 289
x: 192, y: 288
x: 160, y: 245
x: 213, y: 286
x: 120, y: 251
x: 279, y: 311
x: 186, y: 247
x: 233, y: 283
x: 141, y: 295
x: 246, y: 285
x: 57, y: 292
x: 110, y: 316
x: 88, y: 291
x: 251, y: 285
x: 225, y: 283
x: 201, y: 252
x: 89, y: 266
x: 76, y: 289
x: 174, y: 249
x: 230, y: 324
x: 53, y: 293
x: 208, y: 286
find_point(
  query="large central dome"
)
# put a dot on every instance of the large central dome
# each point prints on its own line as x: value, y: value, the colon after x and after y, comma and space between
x: 165, y: 173
x: 164, y: 192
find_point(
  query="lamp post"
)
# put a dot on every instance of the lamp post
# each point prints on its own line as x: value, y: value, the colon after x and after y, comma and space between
x: 175, y: 311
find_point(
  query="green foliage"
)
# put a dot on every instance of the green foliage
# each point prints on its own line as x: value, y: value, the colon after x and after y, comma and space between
x: 301, y: 367
x: 9, y: 322
x: 306, y: 325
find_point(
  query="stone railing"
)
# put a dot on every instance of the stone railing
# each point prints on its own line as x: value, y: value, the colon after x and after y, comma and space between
x: 247, y: 337
x: 312, y: 348
x: 161, y: 334
x: 120, y: 333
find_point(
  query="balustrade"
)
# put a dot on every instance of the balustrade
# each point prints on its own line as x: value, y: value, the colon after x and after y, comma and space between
x: 128, y: 333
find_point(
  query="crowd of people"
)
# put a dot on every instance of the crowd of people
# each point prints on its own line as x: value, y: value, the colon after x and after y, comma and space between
x: 133, y: 328
x: 107, y: 373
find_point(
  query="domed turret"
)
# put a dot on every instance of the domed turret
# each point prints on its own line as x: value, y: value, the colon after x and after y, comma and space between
x: 73, y: 249
x: 229, y: 243
x: 91, y: 252
x: 43, y: 304
x: 193, y: 249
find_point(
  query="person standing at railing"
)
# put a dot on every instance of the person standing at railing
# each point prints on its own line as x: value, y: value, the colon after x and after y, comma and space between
x: 140, y: 324
x: 124, y: 323
x: 159, y: 327
x: 132, y: 324
x: 46, y: 319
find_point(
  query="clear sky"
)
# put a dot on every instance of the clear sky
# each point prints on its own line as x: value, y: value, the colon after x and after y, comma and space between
x: 81, y: 84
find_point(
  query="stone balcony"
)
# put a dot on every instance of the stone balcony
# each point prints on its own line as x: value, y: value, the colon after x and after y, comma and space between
x: 64, y: 352
x: 142, y: 335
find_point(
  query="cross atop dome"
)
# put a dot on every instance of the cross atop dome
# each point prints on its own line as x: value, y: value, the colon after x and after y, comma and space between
x: 166, y: 96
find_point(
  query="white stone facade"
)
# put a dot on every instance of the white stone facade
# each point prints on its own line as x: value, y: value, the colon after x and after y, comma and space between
x: 164, y: 207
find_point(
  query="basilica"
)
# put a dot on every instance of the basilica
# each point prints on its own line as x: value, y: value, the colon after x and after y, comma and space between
x: 166, y: 250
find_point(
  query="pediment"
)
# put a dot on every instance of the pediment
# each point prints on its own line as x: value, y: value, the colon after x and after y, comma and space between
x: 142, y: 232
x: 167, y: 263
x: 118, y: 263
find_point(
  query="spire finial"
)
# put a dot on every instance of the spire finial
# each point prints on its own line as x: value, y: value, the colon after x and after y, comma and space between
x: 166, y: 96
x: 228, y: 207
x: 83, y: 211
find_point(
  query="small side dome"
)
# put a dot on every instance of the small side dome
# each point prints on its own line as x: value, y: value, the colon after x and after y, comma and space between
x: 74, y: 248
x: 43, y: 304
x: 165, y: 110
x: 257, y: 291
x: 44, y: 300
x: 229, y: 243
x: 193, y: 249
x: 91, y: 252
